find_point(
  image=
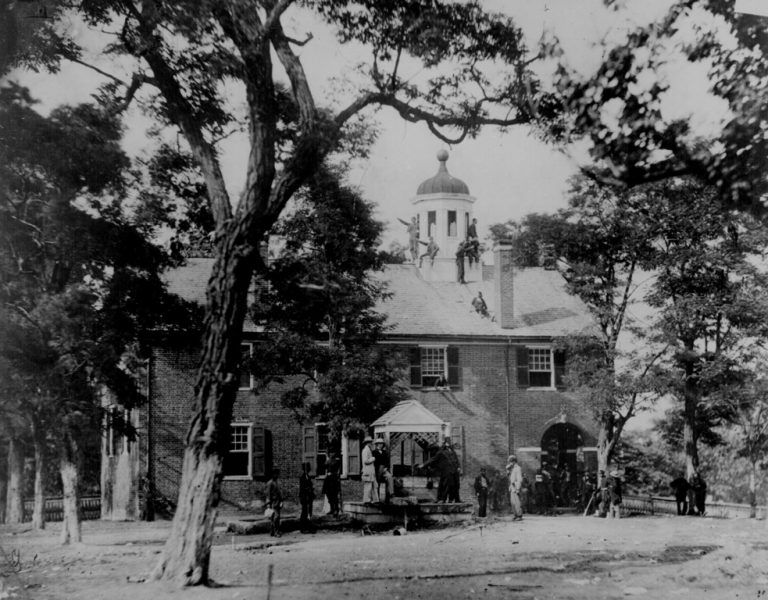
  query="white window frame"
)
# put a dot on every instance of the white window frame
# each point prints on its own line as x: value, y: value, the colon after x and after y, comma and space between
x: 250, y: 353
x: 444, y: 349
x: 551, y: 385
x: 250, y: 452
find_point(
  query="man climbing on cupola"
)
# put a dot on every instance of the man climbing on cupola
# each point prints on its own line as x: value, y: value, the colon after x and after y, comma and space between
x: 413, y: 237
x: 432, y: 250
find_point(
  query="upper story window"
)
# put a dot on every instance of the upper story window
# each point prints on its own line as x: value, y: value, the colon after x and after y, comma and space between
x: 431, y: 223
x: 434, y: 366
x: 246, y: 381
x: 540, y: 367
x: 453, y: 224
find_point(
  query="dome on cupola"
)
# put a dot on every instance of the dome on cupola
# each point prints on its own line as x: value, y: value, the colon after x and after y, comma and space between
x: 443, y: 182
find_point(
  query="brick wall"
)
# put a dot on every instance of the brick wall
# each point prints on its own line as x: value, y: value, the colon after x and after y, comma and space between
x: 479, y: 405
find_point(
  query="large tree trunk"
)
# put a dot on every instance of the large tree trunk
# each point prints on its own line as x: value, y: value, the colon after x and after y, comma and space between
x: 38, y: 513
x: 15, y: 495
x: 3, y: 479
x: 70, y: 479
x: 605, y: 443
x: 689, y: 431
x: 186, y: 555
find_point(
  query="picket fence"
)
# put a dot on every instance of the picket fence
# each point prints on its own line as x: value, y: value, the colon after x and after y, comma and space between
x: 660, y: 505
x: 90, y: 509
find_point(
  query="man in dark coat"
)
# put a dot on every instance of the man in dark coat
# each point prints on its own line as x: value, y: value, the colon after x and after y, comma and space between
x: 306, y: 498
x: 446, y: 463
x: 274, y: 502
x: 383, y: 474
x: 482, y: 485
x: 681, y: 487
x: 699, y: 488
x: 331, y: 484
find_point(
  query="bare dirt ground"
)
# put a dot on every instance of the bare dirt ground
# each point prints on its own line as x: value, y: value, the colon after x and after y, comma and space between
x: 542, y: 557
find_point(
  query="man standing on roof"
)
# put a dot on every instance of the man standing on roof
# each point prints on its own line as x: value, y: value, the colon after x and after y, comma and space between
x: 432, y: 250
x: 472, y: 230
x: 413, y: 237
x: 460, y: 263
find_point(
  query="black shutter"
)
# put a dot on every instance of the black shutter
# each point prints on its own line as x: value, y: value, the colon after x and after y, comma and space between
x: 415, y: 354
x: 522, y: 366
x: 560, y: 369
x: 453, y: 366
x: 354, y: 453
x: 259, y: 451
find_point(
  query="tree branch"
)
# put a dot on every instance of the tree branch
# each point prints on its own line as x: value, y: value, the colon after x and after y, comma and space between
x: 109, y: 75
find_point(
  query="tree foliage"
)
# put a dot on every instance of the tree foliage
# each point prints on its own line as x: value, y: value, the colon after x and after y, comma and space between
x: 320, y: 312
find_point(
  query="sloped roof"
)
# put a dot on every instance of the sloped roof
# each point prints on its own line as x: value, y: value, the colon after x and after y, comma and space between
x: 542, y: 306
x: 420, y: 308
x: 408, y: 413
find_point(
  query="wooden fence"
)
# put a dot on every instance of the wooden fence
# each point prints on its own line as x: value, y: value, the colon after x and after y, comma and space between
x: 660, y: 505
x: 90, y: 509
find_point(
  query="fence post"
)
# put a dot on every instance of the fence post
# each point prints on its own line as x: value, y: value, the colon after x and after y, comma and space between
x: 650, y: 499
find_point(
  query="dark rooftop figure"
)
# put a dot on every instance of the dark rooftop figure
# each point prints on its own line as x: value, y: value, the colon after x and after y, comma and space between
x: 478, y: 303
x: 472, y: 230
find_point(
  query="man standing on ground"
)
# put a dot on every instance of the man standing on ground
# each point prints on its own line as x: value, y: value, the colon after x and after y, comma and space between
x: 383, y: 474
x: 482, y: 486
x: 369, y: 473
x: 306, y: 498
x: 614, y: 488
x: 274, y: 501
x: 681, y: 487
x: 699, y: 488
x: 445, y: 465
x: 515, y: 486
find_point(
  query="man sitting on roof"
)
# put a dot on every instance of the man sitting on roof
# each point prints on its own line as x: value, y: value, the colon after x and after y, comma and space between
x: 478, y: 303
x: 432, y: 250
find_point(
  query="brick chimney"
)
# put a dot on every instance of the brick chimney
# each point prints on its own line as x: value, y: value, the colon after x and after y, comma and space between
x: 503, y: 275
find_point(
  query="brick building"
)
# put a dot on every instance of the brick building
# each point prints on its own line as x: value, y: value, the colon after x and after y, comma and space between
x: 503, y: 392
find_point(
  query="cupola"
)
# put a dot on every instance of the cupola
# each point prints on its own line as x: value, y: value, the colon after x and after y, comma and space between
x: 443, y: 182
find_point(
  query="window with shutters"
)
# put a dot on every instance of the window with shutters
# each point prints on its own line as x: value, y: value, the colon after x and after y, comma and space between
x: 246, y: 381
x: 540, y: 367
x: 318, y: 446
x: 247, y: 453
x: 435, y: 367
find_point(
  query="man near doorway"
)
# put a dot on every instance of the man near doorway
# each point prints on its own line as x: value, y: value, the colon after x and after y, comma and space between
x: 515, y: 486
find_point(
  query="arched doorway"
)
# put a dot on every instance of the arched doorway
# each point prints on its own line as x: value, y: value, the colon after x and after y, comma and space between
x: 563, y: 445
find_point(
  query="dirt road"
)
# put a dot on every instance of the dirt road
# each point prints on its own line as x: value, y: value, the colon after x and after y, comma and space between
x: 542, y: 557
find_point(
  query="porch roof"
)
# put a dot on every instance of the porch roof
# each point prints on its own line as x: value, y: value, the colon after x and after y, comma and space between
x: 409, y: 416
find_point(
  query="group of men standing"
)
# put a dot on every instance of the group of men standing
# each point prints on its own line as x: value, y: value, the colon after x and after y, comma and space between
x: 376, y: 472
x: 690, y: 496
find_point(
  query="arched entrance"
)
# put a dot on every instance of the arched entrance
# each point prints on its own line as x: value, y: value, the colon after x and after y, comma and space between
x: 562, y: 456
x: 563, y: 445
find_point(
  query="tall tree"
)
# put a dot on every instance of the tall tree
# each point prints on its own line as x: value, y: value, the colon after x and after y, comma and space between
x: 184, y: 53
x: 320, y: 308
x: 708, y: 295
x: 79, y: 280
x: 600, y: 244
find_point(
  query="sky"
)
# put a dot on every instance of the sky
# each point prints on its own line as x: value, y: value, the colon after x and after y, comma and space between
x: 511, y: 174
